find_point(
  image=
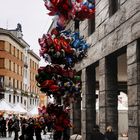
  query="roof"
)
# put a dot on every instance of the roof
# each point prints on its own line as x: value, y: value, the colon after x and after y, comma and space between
x: 34, y: 54
x: 21, y: 42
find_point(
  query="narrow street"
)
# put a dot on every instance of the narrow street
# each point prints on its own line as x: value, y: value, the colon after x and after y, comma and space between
x: 44, y: 137
x: 123, y: 138
x: 47, y: 137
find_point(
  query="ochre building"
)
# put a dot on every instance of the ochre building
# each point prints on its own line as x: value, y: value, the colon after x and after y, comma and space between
x: 18, y: 67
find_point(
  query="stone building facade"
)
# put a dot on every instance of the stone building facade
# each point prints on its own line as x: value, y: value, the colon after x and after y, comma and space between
x: 112, y: 66
x: 18, y: 67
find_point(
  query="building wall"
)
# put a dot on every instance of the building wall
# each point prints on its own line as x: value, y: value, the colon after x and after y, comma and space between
x: 111, y: 32
x: 12, y: 66
x: 15, y: 70
x: 115, y: 34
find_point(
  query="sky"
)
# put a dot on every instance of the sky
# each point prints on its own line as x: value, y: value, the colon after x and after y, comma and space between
x: 31, y: 14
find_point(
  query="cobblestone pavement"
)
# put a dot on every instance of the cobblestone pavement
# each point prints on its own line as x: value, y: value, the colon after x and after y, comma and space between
x: 123, y: 138
x: 44, y: 137
x: 48, y: 136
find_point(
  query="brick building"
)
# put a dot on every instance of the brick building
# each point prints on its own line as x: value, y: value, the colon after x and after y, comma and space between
x: 18, y: 67
x: 112, y: 66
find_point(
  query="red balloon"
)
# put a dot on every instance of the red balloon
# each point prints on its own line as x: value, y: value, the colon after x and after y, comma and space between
x: 54, y: 88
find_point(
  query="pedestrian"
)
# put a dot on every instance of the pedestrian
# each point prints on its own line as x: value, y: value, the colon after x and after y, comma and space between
x: 97, y: 135
x: 3, y: 127
x: 30, y: 129
x: 38, y: 130
x: 109, y: 134
x: 24, y: 132
x: 10, y: 123
x: 16, y: 128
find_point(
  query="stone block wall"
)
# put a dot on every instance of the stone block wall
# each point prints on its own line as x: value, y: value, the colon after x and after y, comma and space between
x: 111, y: 33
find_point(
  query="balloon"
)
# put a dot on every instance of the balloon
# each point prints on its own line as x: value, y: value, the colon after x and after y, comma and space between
x: 67, y: 10
x: 91, y: 1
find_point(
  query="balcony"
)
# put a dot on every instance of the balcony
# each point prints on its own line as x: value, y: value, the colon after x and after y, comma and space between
x: 24, y: 93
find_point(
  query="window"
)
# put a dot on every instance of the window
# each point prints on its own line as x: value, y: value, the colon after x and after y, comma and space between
x: 14, y: 83
x: 14, y: 98
x: 21, y: 85
x: 91, y: 25
x: 113, y: 7
x: 10, y: 48
x: 30, y: 101
x: 17, y: 84
x: 1, y: 45
x: 9, y: 64
x: 25, y: 102
x: 18, y: 54
x: 1, y: 82
x: 9, y: 98
x: 13, y: 67
x: 21, y: 99
x: 15, y: 52
x: 10, y: 83
x: 21, y: 56
x: 1, y: 62
x: 18, y: 99
x: 33, y: 65
x: 76, y: 25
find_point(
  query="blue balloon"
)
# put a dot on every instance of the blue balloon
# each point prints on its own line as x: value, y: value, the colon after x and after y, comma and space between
x: 76, y: 43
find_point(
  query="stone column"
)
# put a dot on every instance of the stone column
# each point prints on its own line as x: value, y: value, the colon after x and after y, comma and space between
x: 88, y: 102
x: 77, y: 117
x: 108, y: 99
x: 133, y: 72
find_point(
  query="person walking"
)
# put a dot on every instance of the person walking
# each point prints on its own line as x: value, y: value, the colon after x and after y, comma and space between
x: 24, y: 132
x: 109, y: 134
x: 10, y: 123
x: 16, y: 128
x: 30, y: 129
x: 38, y: 130
x: 97, y: 135
x: 3, y: 127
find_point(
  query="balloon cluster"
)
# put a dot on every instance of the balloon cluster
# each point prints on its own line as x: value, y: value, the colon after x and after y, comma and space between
x: 57, y: 115
x: 63, y: 47
x: 67, y: 10
x: 57, y: 81
x: 60, y: 116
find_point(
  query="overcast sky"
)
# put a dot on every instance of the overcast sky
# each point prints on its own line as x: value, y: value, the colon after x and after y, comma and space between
x: 32, y: 15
